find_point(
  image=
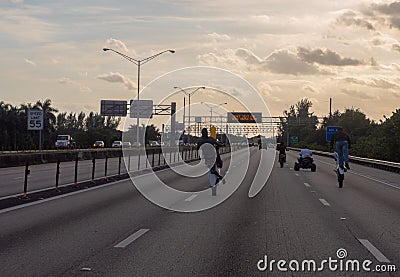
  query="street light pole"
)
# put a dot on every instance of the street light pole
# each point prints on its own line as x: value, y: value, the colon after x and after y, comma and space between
x: 189, y: 94
x: 212, y: 107
x: 184, y: 112
x: 138, y: 63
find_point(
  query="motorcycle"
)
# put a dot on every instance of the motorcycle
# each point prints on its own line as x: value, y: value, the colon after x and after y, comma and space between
x: 339, y: 171
x: 282, y: 159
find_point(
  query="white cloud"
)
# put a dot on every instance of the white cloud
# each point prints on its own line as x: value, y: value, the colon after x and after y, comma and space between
x: 351, y: 18
x: 26, y: 25
x: 65, y: 80
x: 116, y: 77
x: 361, y: 95
x: 218, y: 37
x: 310, y: 88
x: 69, y: 81
x: 378, y: 83
x: 28, y: 61
x: 281, y: 61
x: 118, y: 44
x: 325, y: 57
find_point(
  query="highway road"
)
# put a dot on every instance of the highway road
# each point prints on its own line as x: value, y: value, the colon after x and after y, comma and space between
x: 113, y: 230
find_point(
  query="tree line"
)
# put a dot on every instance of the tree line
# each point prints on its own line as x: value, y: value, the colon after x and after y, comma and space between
x: 85, y: 129
x: 370, y: 139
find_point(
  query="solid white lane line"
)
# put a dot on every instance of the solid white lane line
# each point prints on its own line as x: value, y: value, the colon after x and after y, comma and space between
x: 364, y: 176
x: 324, y: 202
x: 374, y: 251
x: 191, y: 197
x: 131, y: 238
x: 373, y: 179
x: 59, y: 196
x: 307, y: 185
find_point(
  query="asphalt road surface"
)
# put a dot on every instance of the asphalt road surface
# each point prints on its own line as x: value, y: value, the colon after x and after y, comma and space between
x: 114, y: 231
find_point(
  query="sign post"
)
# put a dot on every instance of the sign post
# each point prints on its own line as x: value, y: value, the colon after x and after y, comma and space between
x: 35, y: 123
x: 294, y: 140
x: 141, y: 109
x: 244, y: 117
x: 330, y: 130
x: 113, y: 107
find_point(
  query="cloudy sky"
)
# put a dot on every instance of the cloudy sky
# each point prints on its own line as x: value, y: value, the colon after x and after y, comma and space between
x: 345, y: 49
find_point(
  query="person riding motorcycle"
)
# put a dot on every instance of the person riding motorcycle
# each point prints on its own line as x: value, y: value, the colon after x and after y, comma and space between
x: 304, y: 154
x: 282, y: 153
x: 209, y: 157
x: 281, y: 147
x: 342, y: 143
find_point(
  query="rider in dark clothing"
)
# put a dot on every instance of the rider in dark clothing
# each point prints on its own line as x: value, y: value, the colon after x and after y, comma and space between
x: 281, y: 148
x: 340, y: 135
x: 206, y: 139
x: 342, y: 143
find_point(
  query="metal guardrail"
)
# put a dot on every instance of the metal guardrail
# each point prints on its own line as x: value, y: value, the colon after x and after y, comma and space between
x: 153, y: 158
x: 384, y: 165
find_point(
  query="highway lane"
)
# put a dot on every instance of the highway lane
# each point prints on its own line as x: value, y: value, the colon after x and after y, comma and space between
x: 43, y: 176
x: 286, y: 220
x: 369, y: 205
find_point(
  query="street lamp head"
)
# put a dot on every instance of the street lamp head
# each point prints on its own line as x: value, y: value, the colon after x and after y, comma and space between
x: 171, y: 51
x: 106, y: 49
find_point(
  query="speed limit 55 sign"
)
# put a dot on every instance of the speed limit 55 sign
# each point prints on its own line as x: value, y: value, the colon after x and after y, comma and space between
x: 35, y: 120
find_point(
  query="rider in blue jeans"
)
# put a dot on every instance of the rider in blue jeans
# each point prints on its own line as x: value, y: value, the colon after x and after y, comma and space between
x: 342, y: 142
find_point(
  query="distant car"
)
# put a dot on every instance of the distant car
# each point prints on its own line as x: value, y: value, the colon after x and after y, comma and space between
x: 65, y: 142
x: 136, y: 144
x: 98, y: 144
x: 116, y: 144
x: 126, y: 144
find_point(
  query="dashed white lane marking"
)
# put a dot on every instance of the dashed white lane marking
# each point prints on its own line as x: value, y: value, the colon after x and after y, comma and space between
x: 324, y: 202
x: 374, y: 251
x: 18, y: 178
x: 191, y: 197
x: 131, y: 238
x: 297, y: 174
x: 307, y: 185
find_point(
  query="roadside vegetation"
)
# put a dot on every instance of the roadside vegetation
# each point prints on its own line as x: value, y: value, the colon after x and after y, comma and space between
x: 370, y: 139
